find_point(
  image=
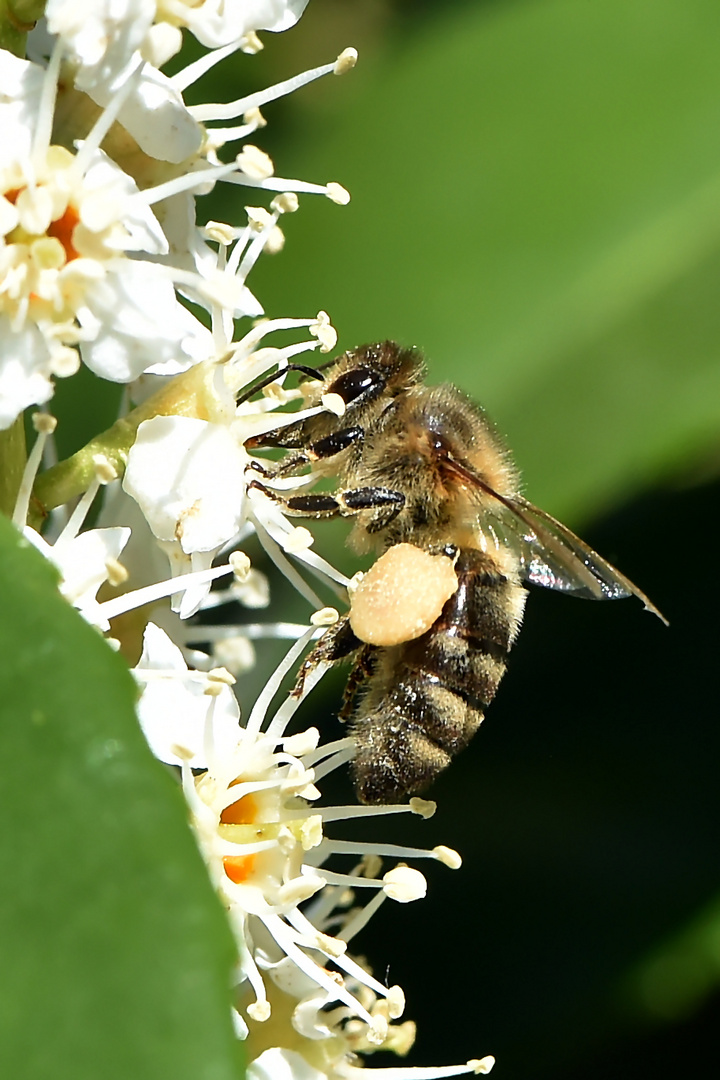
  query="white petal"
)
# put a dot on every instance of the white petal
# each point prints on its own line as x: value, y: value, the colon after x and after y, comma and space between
x: 83, y: 562
x: 216, y: 22
x: 20, y: 87
x: 156, y: 117
x: 195, y: 345
x: 187, y: 477
x: 135, y: 323
x: 24, y: 371
x: 173, y: 711
x: 108, y: 195
x: 278, y: 1064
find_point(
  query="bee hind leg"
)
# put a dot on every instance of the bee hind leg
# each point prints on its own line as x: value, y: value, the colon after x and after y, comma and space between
x: 362, y: 670
x: 336, y: 644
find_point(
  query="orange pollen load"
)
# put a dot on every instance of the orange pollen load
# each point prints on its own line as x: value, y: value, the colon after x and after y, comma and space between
x: 239, y: 867
x: 63, y: 228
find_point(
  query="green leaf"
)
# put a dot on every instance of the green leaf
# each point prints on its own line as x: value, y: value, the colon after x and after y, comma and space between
x: 536, y: 203
x: 115, y: 953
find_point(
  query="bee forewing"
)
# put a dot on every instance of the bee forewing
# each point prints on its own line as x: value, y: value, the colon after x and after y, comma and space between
x: 554, y: 557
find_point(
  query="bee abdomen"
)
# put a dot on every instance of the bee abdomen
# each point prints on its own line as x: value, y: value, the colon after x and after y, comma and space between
x: 428, y: 697
x: 405, y: 739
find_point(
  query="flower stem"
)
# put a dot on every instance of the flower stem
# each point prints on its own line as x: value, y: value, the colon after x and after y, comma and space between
x: 188, y: 394
x: 17, y: 18
x: 12, y: 463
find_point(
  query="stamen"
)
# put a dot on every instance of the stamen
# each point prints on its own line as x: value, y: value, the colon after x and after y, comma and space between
x: 353, y: 1072
x: 186, y: 182
x: 353, y: 847
x: 335, y: 192
x: 301, y: 923
x: 110, y: 609
x: 268, y: 692
x: 336, y: 991
x: 46, y: 107
x: 106, y: 119
x: 252, y: 631
x: 218, y: 111
x: 336, y: 761
x: 192, y: 72
x: 292, y: 703
x: 362, y: 918
x: 284, y: 565
x: 77, y: 518
x: 44, y: 425
x: 343, y: 813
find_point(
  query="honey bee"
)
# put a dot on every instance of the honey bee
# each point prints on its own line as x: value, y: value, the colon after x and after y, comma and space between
x: 423, y: 466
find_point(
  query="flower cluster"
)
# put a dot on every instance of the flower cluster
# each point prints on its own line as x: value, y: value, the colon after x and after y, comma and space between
x: 103, y: 263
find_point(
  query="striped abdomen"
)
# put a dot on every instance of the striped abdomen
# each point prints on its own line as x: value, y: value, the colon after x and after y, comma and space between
x: 426, y: 699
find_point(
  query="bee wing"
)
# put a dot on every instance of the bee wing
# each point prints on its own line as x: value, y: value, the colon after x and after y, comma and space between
x: 553, y: 556
x: 550, y: 554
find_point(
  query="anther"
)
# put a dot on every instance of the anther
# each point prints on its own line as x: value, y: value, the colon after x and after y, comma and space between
x: 285, y: 203
x: 255, y: 118
x: 255, y: 163
x: 220, y: 232
x: 334, y: 403
x: 447, y: 856
x: 404, y: 884
x: 326, y: 616
x: 337, y: 193
x: 44, y: 423
x: 117, y: 574
x: 425, y: 808
x: 250, y: 43
x: 346, y: 61
x: 105, y: 471
x: 300, y: 539
x: 240, y: 565
x: 259, y: 1011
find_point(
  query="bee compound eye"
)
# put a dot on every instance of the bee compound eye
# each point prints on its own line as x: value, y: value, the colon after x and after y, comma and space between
x: 360, y: 382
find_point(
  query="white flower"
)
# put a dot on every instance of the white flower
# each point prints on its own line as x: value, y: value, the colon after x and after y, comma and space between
x: 85, y: 563
x: 190, y: 475
x: 187, y: 476
x: 70, y: 225
x: 180, y: 706
x: 105, y: 37
x: 251, y: 810
x: 266, y: 851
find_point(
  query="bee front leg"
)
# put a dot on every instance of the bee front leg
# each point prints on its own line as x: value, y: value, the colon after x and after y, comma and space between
x: 320, y: 450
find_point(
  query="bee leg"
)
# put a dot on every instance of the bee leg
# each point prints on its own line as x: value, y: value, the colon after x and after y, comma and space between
x: 337, y: 643
x: 316, y: 451
x: 385, y: 501
x: 361, y: 671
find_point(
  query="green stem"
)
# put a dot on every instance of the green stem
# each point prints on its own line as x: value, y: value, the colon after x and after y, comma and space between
x: 184, y: 395
x: 17, y: 18
x: 72, y: 477
x: 27, y: 11
x: 12, y: 464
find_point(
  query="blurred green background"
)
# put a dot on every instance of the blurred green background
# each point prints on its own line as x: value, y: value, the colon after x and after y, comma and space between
x: 536, y: 203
